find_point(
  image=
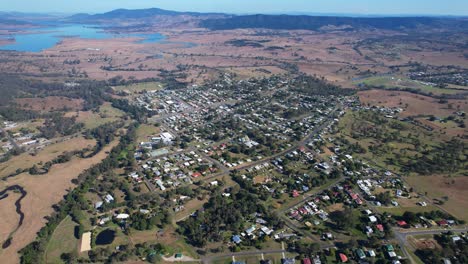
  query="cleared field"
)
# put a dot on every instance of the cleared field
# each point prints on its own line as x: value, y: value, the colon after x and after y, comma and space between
x: 50, y: 103
x: 395, y: 153
x: 25, y: 160
x: 437, y: 187
x: 400, y: 210
x: 31, y: 126
x: 190, y: 208
x: 139, y: 87
x: 9, y: 217
x: 248, y: 72
x: 106, y: 114
x: 412, y: 104
x: 389, y: 82
x: 145, y: 131
x: 63, y: 240
x: 169, y: 238
x: 423, y: 242
x: 253, y: 259
x: 42, y: 192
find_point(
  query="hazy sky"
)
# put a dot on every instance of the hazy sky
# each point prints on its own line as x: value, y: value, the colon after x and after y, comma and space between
x: 445, y: 7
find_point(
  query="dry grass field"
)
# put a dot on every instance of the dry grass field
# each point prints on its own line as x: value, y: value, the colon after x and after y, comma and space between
x: 207, y: 53
x: 50, y: 103
x: 43, y: 191
x: 437, y: 187
x: 106, y: 114
x: 412, y: 104
x: 144, y: 132
x: 26, y: 160
x: 9, y: 217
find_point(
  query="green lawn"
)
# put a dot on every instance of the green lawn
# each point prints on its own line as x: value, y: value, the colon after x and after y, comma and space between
x: 399, y: 211
x: 62, y: 241
x: 139, y: 87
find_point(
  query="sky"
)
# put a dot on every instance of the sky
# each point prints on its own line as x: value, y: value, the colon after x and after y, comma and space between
x: 373, y: 7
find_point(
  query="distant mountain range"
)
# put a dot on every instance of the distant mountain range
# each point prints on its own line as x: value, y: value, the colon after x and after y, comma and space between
x: 133, y: 14
x: 292, y: 22
x: 218, y: 21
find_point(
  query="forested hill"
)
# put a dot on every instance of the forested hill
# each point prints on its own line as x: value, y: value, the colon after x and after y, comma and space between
x: 316, y: 22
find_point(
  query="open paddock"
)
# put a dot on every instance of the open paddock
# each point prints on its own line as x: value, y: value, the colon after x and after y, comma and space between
x: 43, y: 191
x: 438, y: 187
x: 50, y: 103
x: 412, y: 104
x: 50, y: 152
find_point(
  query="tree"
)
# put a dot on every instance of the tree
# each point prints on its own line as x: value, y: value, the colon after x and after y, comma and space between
x: 69, y: 257
x: 344, y: 219
x: 410, y: 217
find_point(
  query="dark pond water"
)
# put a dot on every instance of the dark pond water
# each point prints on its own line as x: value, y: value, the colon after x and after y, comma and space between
x: 106, y: 237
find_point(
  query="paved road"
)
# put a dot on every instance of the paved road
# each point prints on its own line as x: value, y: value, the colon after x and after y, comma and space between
x: 293, y: 147
x: 403, y: 234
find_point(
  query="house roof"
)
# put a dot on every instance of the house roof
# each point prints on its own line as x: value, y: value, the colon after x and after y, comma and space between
x: 442, y: 222
x: 306, y: 261
x: 343, y: 257
x: 236, y: 239
x: 360, y: 253
x: 402, y: 223
x: 389, y: 247
x: 288, y: 261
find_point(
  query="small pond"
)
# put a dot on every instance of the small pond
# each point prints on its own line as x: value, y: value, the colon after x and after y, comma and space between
x: 106, y: 237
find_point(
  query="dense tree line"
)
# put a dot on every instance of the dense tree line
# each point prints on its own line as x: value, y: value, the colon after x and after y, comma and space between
x: 103, y: 134
x: 136, y: 112
x: 58, y: 125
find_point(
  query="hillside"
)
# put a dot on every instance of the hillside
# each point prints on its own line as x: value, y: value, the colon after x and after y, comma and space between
x: 132, y: 14
x: 317, y: 22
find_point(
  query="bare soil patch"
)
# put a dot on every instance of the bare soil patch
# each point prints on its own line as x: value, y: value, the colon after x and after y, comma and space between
x: 423, y: 243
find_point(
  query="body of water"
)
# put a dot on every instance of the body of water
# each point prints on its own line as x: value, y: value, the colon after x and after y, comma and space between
x: 40, y: 39
x: 106, y: 237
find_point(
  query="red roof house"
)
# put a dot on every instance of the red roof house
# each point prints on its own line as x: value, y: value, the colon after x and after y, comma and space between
x: 343, y: 257
x: 442, y: 223
x: 196, y: 174
x: 402, y: 223
x: 380, y: 227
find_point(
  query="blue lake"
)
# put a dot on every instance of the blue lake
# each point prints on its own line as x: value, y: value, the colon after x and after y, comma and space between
x: 40, y: 39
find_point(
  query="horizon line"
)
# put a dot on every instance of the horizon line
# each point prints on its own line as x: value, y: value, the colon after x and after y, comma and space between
x: 294, y: 13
